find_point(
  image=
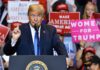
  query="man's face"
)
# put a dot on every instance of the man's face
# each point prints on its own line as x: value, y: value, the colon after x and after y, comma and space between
x: 35, y: 18
x: 88, y: 56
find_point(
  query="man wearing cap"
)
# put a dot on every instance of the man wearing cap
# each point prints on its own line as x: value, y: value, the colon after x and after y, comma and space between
x: 59, y: 6
x: 95, y: 63
x: 62, y: 8
x: 84, y: 56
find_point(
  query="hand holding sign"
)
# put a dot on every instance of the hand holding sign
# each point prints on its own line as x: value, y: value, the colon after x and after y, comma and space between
x: 16, y: 33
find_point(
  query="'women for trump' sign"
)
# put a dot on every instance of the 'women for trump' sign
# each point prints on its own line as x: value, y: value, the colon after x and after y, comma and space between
x: 85, y: 30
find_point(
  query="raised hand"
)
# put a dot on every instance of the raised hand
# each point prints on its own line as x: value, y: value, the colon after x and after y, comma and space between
x: 16, y: 33
x: 74, y: 8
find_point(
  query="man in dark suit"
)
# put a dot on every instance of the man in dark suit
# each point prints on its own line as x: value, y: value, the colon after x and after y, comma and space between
x: 22, y: 40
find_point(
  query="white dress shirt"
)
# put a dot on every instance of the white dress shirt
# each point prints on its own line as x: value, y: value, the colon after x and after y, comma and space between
x: 33, y: 32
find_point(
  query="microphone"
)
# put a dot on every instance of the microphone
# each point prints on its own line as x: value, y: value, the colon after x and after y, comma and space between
x: 36, y: 27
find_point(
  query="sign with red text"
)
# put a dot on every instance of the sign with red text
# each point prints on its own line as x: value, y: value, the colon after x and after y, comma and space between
x: 85, y: 30
x: 98, y: 22
x: 62, y: 21
x: 18, y: 10
x: 3, y: 32
x: 96, y: 16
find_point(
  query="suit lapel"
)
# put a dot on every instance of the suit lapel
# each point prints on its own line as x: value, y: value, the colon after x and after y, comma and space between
x: 42, y: 38
x: 29, y: 38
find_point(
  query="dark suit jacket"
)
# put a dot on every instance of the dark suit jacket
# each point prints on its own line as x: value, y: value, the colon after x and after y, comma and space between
x: 48, y: 40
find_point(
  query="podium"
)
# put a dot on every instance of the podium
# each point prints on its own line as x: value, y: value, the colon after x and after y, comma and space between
x: 44, y: 62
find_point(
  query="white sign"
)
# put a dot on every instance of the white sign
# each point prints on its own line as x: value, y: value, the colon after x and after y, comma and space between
x: 17, y: 11
x: 70, y: 2
x: 70, y: 47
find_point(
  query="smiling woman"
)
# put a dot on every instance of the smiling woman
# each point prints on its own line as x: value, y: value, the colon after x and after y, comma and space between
x: 90, y: 8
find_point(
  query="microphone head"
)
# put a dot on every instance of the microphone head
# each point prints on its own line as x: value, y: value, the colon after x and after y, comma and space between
x: 36, y: 27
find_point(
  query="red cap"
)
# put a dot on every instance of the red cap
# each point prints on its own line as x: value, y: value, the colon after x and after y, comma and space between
x: 5, y: 1
x: 89, y: 49
x: 62, y: 7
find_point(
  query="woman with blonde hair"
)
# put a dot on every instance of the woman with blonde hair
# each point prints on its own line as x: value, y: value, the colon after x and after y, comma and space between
x: 90, y: 8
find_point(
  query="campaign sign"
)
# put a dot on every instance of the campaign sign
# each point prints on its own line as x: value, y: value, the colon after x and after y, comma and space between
x: 98, y: 22
x: 62, y: 21
x: 96, y: 16
x: 18, y: 10
x: 85, y: 30
x: 3, y: 32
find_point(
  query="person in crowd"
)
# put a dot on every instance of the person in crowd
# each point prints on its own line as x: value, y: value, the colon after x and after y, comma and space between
x: 4, y: 12
x: 3, y: 21
x: 62, y: 7
x: 86, y: 8
x: 95, y: 63
x: 80, y: 6
x: 23, y: 37
x: 59, y: 6
x: 83, y: 58
x: 89, y: 9
x: 5, y: 63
